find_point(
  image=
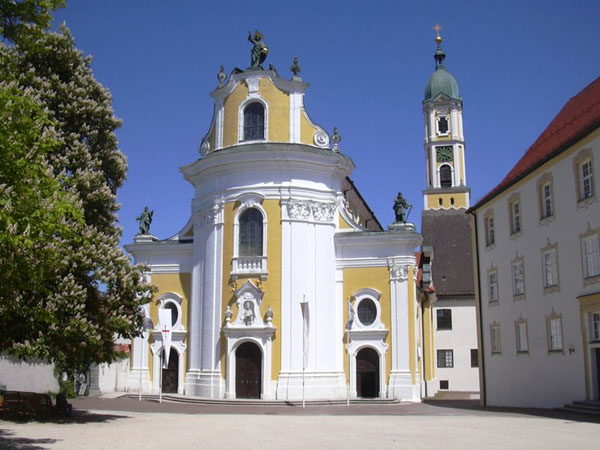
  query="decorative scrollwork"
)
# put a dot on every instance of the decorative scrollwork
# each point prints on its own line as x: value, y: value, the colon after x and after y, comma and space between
x: 321, y: 139
x: 399, y: 272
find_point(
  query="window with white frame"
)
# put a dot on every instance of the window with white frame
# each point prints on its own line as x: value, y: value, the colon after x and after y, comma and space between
x: 555, y: 338
x: 442, y: 125
x: 493, y: 286
x: 550, y: 267
x: 445, y: 175
x: 590, y: 250
x: 254, y: 121
x: 490, y: 237
x: 596, y: 326
x: 518, y: 276
x: 445, y: 358
x: 586, y: 180
x: 251, y: 233
x: 496, y: 346
x: 521, y: 330
x: 547, y: 206
x: 515, y: 216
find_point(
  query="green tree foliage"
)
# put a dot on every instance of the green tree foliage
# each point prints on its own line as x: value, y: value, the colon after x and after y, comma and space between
x: 66, y: 287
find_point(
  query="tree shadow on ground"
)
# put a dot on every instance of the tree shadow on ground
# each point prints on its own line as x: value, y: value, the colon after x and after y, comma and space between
x: 77, y: 417
x: 474, y: 405
x: 8, y: 441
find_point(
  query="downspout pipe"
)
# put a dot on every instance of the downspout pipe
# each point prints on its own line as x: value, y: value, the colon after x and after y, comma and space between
x: 482, y: 388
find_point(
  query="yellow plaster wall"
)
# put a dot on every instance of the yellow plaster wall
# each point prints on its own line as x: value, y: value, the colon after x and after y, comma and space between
x: 279, y: 111
x: 428, y: 344
x: 230, y: 114
x: 177, y: 283
x: 378, y: 278
x: 343, y: 224
x: 307, y: 130
x: 271, y: 287
x: 460, y: 200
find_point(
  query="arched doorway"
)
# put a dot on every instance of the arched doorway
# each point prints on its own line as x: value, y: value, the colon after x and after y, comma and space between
x: 248, y: 362
x: 367, y: 373
x: 170, y: 375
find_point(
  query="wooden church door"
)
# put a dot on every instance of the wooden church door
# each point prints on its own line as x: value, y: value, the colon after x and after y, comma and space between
x: 248, y: 361
x: 367, y: 373
x: 170, y: 375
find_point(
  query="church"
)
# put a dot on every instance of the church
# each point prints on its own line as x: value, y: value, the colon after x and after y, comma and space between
x: 283, y: 284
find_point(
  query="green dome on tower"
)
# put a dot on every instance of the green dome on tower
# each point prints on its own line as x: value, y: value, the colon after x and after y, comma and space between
x: 441, y: 81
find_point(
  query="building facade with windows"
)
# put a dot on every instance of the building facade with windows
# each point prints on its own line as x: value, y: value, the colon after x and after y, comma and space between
x: 447, y: 236
x: 538, y: 267
x: 282, y: 282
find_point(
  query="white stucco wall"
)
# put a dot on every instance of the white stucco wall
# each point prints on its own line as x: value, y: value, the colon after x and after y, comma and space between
x: 461, y: 339
x: 33, y: 376
x: 538, y: 378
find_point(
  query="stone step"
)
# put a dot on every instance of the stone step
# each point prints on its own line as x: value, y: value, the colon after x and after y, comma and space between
x: 583, y: 407
x: 256, y: 402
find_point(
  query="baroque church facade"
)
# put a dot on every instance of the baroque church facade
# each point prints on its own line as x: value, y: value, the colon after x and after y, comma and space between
x: 283, y: 284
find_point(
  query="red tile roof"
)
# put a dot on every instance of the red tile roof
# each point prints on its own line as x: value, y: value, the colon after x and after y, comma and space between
x: 578, y: 118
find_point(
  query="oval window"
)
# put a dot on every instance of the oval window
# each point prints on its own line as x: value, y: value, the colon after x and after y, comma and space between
x: 367, y: 311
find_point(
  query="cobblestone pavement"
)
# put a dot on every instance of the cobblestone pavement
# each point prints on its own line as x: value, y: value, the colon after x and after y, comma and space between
x: 123, y: 423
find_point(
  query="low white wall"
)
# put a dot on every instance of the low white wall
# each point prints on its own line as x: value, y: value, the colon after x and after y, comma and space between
x: 31, y: 376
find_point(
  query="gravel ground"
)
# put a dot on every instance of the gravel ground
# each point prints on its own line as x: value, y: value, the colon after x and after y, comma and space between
x: 437, y: 426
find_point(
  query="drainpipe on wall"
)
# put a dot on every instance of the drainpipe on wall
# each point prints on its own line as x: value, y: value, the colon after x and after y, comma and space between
x: 482, y: 388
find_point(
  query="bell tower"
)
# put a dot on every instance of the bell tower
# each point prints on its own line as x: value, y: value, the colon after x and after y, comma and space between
x: 444, y: 139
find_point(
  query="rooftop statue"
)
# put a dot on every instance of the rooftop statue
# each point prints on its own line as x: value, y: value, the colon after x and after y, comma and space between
x: 145, y: 220
x: 259, y: 51
x: 400, y: 207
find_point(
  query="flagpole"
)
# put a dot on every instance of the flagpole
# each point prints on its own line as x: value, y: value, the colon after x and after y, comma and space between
x: 141, y: 362
x: 303, y: 353
x: 348, y: 352
x: 161, y: 376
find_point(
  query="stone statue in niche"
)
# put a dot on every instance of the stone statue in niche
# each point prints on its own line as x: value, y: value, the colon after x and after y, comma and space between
x: 248, y: 314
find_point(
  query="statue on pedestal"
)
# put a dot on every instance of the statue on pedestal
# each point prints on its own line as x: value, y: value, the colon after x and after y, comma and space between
x: 400, y: 207
x: 145, y: 220
x: 259, y: 50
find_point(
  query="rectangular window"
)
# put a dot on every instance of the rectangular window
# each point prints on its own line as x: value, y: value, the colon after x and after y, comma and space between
x: 547, y: 203
x: 515, y: 213
x: 555, y: 341
x: 596, y: 326
x: 518, y: 273
x: 550, y: 268
x: 445, y: 358
x: 495, y: 338
x: 493, y: 286
x: 490, y: 238
x: 591, y: 256
x: 586, y: 180
x: 444, y: 319
x: 522, y: 344
x: 444, y: 384
x: 474, y: 358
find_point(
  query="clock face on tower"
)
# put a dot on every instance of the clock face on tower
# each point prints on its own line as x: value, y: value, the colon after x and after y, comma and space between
x: 444, y: 154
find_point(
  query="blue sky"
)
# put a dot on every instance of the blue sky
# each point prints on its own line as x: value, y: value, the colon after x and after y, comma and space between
x: 516, y: 63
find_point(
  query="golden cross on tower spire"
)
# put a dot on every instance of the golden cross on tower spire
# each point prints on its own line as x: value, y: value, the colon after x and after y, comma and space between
x: 437, y: 29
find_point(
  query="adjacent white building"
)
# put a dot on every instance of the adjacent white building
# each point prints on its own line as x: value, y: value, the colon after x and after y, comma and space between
x: 538, y: 267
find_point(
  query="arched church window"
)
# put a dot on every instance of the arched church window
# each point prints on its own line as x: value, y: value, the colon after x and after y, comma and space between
x: 445, y: 176
x: 254, y: 122
x: 251, y: 233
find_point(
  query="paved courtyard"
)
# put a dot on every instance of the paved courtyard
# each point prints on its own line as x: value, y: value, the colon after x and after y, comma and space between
x: 129, y: 424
